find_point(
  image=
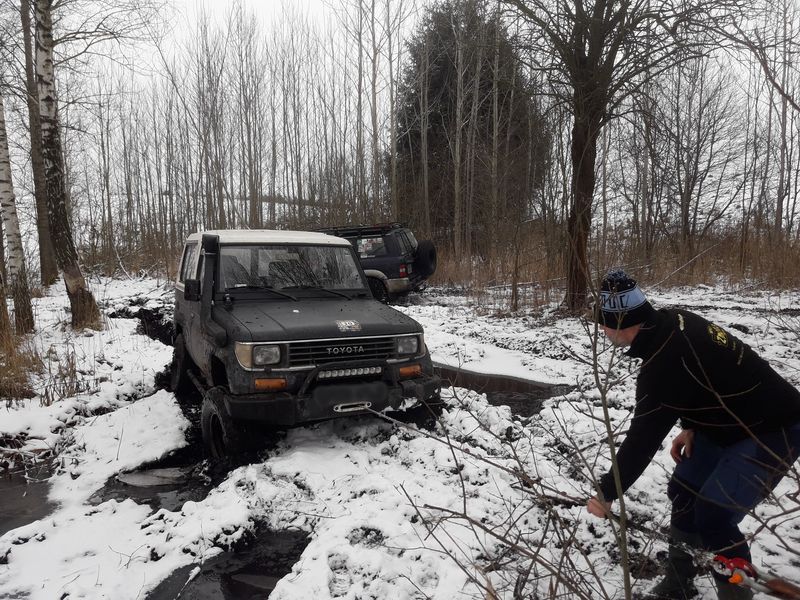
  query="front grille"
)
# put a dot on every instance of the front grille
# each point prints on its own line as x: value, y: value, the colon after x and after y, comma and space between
x: 347, y: 350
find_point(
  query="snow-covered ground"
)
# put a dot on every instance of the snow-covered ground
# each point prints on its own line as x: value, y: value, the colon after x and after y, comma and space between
x: 372, y: 495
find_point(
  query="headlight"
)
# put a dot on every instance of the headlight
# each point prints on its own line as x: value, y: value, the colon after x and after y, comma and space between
x: 266, y: 355
x: 408, y: 344
x: 250, y: 356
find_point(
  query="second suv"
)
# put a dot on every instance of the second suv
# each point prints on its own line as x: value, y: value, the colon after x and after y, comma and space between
x: 393, y: 261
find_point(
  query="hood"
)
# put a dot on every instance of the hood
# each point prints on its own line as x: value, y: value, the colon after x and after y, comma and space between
x: 310, y: 319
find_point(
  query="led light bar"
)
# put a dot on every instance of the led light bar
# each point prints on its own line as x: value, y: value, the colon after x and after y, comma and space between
x: 335, y: 373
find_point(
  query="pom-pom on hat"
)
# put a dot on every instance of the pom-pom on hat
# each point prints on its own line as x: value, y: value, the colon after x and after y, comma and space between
x: 622, y: 303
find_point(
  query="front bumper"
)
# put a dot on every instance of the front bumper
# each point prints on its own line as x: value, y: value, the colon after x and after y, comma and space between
x: 331, y: 401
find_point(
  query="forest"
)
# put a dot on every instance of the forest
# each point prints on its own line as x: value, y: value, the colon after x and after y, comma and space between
x: 542, y: 140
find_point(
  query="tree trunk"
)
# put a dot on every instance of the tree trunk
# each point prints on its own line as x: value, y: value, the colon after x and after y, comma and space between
x: 583, y: 155
x: 471, y: 151
x: 84, y: 308
x: 6, y: 335
x: 17, y: 276
x: 456, y: 145
x: 47, y: 258
x: 424, y: 83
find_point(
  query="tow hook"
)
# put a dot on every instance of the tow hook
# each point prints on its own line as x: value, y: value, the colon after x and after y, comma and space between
x: 352, y: 407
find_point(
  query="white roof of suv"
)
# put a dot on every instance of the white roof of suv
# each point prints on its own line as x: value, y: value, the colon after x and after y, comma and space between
x: 271, y: 236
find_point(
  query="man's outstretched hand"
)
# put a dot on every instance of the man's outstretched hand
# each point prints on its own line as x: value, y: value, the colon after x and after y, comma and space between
x: 599, y: 508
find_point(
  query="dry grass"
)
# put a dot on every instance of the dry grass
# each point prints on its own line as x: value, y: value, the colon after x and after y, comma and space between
x: 17, y: 363
x: 536, y: 265
x: 66, y: 380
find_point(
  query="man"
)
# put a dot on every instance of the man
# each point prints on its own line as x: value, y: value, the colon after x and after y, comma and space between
x: 740, y: 420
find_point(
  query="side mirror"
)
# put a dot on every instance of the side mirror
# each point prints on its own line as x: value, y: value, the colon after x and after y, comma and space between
x: 191, y: 290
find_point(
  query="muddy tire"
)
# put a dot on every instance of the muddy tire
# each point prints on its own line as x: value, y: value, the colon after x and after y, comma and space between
x: 182, y: 363
x: 425, y: 259
x: 378, y: 289
x: 223, y: 437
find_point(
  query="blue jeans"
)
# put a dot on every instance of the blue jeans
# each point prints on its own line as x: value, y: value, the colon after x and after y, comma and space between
x: 712, y: 491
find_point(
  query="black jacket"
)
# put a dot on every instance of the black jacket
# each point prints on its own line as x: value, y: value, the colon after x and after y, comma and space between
x: 697, y: 372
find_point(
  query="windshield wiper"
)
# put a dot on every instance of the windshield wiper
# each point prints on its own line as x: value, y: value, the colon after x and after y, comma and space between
x: 318, y: 287
x: 250, y: 286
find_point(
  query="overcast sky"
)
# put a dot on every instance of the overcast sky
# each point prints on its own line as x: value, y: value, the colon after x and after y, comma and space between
x: 265, y: 9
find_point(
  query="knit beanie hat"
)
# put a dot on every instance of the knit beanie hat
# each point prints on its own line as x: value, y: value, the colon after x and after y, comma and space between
x: 622, y: 302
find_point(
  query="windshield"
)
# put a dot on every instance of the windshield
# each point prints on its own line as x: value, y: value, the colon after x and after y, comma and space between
x: 283, y: 267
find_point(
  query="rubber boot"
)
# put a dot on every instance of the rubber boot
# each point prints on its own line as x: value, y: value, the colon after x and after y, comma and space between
x: 679, y: 571
x: 731, y: 591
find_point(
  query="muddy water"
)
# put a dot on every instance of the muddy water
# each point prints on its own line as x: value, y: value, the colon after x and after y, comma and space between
x: 244, y: 575
x: 168, y: 483
x: 524, y: 397
x: 23, y: 500
x: 247, y: 572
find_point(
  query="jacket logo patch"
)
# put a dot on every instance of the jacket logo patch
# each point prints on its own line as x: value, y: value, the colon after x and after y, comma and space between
x: 718, y: 334
x: 347, y: 326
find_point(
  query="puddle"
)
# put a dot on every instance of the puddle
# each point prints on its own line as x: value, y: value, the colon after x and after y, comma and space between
x: 168, y: 483
x: 245, y: 574
x: 524, y: 397
x: 24, y: 500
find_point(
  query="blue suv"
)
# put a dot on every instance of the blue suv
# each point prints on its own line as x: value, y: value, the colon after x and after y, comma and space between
x: 393, y: 261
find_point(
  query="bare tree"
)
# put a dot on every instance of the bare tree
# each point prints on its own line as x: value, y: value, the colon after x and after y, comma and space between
x: 597, y: 53
x: 48, y: 269
x: 82, y: 302
x: 6, y: 334
x: 17, y: 274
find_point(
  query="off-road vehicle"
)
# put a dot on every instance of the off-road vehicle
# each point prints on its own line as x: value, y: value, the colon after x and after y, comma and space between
x: 279, y: 328
x: 394, y: 262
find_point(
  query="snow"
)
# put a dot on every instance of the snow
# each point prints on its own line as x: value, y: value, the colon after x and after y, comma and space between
x: 271, y: 236
x: 370, y: 493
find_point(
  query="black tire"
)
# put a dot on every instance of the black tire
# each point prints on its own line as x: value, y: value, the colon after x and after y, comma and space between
x: 379, y: 291
x: 223, y: 437
x: 182, y: 363
x: 425, y: 259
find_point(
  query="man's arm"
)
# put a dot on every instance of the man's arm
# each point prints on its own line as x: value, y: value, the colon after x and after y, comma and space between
x: 650, y: 425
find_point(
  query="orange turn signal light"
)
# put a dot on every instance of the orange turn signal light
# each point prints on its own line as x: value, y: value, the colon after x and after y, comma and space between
x: 410, y: 371
x: 271, y: 385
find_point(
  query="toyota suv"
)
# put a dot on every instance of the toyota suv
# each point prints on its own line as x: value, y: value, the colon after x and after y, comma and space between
x: 279, y: 328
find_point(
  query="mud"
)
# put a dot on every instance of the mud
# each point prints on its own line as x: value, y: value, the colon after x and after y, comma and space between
x: 246, y: 574
x: 156, y: 323
x: 524, y: 397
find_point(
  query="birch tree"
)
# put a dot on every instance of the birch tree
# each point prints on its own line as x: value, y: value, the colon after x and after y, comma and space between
x: 17, y: 275
x: 6, y: 335
x: 82, y: 303
x: 48, y: 269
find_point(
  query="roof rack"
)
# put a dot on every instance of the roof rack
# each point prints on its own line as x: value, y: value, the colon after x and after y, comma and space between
x: 350, y: 231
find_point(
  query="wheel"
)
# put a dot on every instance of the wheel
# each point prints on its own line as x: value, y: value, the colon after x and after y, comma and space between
x: 182, y: 363
x: 379, y: 291
x: 223, y: 437
x: 425, y: 259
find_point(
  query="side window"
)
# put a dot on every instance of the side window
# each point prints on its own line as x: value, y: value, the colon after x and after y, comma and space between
x: 189, y: 255
x: 405, y: 245
x: 368, y: 247
x: 412, y: 240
